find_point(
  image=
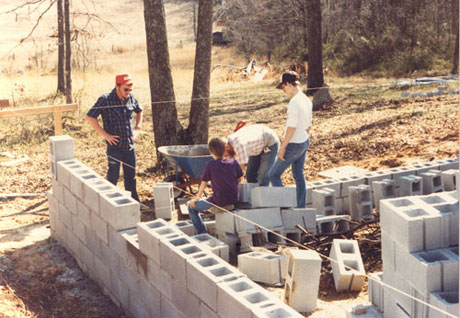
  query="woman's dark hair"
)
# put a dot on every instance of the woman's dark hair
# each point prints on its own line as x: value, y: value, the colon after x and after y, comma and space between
x: 217, y: 146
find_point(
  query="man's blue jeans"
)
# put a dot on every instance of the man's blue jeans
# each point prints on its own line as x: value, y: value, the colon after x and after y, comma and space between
x: 259, y: 166
x: 295, y: 156
x: 114, y: 156
x: 195, y: 217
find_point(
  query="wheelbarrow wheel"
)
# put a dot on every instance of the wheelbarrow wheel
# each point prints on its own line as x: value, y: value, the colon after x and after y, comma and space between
x: 177, y: 181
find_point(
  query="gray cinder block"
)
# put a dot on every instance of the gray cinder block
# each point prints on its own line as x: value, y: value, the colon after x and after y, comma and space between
x: 266, y: 217
x: 383, y: 189
x: 445, y: 301
x: 92, y: 189
x: 375, y: 288
x: 150, y: 234
x: 410, y: 185
x: 305, y: 217
x: 263, y: 267
x: 448, y: 164
x: 449, y: 179
x: 332, y: 224
x: 63, y: 173
x: 379, y: 175
x: 203, y: 274
x: 347, y: 182
x: 186, y: 227
x: 281, y: 197
x: 213, y: 244
x: 118, y: 210
x: 360, y: 202
x: 324, y: 201
x: 244, y: 191
x: 425, y: 167
x: 432, y: 181
x: 164, y: 200
x: 347, y: 265
x: 327, y: 183
x: 302, y: 280
x: 61, y: 147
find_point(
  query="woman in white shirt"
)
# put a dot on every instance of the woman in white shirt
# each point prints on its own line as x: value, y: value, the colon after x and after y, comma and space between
x: 296, y: 140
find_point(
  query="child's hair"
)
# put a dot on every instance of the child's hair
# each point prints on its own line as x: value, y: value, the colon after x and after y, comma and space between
x: 217, y: 146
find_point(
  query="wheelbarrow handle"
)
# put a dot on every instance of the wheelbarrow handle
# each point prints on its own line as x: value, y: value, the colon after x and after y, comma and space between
x: 239, y: 125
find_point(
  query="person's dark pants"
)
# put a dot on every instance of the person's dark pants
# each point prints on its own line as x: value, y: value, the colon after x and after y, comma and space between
x: 115, y: 156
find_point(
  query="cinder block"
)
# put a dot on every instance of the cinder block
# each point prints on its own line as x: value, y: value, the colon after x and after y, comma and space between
x: 61, y: 147
x: 449, y: 179
x: 435, y: 270
x: 302, y: 280
x: 425, y: 167
x: 347, y: 265
x: 65, y: 216
x: 275, y: 308
x: 150, y: 234
x: 203, y: 274
x: 184, y: 300
x: 448, y: 164
x: 70, y: 201
x: 263, y: 267
x: 327, y: 183
x: 92, y: 241
x: 332, y: 224
x: 237, y: 298
x: 244, y: 191
x: 360, y: 202
x: 119, y: 211
x: 119, y: 289
x: 375, y: 288
x: 92, y: 189
x: 77, y: 178
x: 63, y: 172
x: 266, y: 217
x: 351, y: 181
x: 225, y: 223
x: 324, y: 201
x: 380, y: 175
x: 101, y: 272
x: 206, y: 312
x: 382, y: 190
x: 159, y: 279
x: 413, y: 225
x: 388, y: 253
x: 213, y: 244
x: 99, y: 226
x: 186, y: 227
x: 87, y: 257
x: 108, y: 256
x: 304, y: 217
x: 398, y: 173
x: 174, y: 253
x: 446, y: 302
x: 78, y: 228
x: 164, y: 200
x: 432, y: 181
x: 137, y: 307
x: 265, y: 197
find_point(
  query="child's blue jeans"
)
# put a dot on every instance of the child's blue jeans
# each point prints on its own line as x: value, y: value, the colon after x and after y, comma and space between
x: 197, y: 221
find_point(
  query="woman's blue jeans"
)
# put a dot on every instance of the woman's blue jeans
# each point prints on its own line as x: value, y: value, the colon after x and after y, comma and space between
x: 295, y: 156
x: 195, y: 217
x: 114, y: 157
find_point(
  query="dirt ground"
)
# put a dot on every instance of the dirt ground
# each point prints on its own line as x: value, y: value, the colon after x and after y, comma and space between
x: 39, y: 279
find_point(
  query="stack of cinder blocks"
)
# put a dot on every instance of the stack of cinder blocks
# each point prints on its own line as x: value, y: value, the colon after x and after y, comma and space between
x: 263, y: 267
x: 420, y: 254
x: 150, y: 269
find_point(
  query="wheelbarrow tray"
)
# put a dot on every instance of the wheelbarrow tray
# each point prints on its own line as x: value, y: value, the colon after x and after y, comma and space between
x: 191, y: 159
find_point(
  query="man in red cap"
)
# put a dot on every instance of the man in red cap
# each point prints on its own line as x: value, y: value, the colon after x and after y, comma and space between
x: 116, y: 109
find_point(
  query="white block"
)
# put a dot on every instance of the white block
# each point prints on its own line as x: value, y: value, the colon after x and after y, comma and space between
x: 273, y: 197
x: 61, y: 147
x: 305, y: 217
x: 449, y: 179
x: 244, y: 191
x: 324, y: 201
x: 213, y: 244
x: 302, y: 280
x: 120, y: 211
x: 263, y: 267
x: 164, y: 200
x: 267, y: 217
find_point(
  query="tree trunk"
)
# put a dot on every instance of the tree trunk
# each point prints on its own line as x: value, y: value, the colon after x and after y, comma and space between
x: 166, y: 126
x: 60, y: 67
x: 455, y: 64
x: 199, y: 112
x: 315, y: 49
x: 68, y: 50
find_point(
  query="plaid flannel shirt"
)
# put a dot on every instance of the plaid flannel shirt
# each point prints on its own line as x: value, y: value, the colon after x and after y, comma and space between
x: 117, y: 121
x: 251, y: 141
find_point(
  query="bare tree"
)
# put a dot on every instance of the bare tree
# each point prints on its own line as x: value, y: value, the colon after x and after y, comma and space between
x: 455, y: 64
x: 68, y: 53
x: 199, y: 113
x: 60, y: 67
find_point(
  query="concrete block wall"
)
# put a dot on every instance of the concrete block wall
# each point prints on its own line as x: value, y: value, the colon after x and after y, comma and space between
x: 420, y: 253
x: 151, y: 269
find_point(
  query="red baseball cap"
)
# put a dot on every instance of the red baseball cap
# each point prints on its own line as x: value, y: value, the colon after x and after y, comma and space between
x: 123, y: 79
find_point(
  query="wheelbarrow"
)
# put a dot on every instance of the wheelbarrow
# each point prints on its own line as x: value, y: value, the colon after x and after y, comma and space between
x: 188, y: 163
